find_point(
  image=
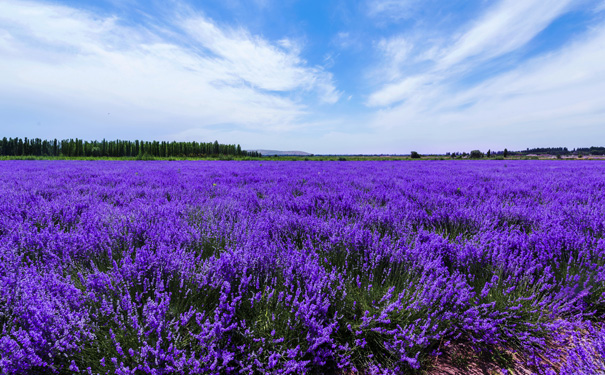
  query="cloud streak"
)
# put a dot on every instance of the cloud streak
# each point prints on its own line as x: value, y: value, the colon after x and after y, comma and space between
x: 392, y: 9
x: 504, y: 28
x: 255, y: 61
x: 510, y: 25
x: 60, y: 57
x: 555, y: 97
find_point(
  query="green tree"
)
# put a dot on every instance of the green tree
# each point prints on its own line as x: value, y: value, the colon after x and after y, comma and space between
x: 415, y: 155
x: 476, y: 154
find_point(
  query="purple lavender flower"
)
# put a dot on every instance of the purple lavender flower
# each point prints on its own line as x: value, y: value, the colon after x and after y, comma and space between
x: 371, y: 267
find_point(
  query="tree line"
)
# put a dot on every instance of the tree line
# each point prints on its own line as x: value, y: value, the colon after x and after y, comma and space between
x: 557, y: 151
x: 565, y: 151
x: 118, y: 148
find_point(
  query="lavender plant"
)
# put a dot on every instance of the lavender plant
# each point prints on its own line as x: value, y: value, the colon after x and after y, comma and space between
x: 293, y: 268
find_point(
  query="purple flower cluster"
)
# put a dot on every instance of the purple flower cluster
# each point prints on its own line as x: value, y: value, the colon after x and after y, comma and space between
x: 586, y: 353
x: 299, y: 267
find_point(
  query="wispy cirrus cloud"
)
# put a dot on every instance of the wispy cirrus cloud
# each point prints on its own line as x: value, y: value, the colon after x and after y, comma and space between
x: 93, y: 65
x: 397, y: 52
x: 555, y: 95
x: 392, y: 9
x: 504, y: 28
x: 550, y: 98
x: 253, y: 60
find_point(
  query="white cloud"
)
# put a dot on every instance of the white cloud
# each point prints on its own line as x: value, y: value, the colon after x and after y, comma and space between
x: 510, y: 25
x: 557, y: 98
x: 327, y: 91
x: 349, y: 41
x: 396, y: 52
x: 397, y: 49
x: 506, y: 27
x: 406, y: 88
x: 60, y: 57
x: 392, y: 9
x: 250, y: 59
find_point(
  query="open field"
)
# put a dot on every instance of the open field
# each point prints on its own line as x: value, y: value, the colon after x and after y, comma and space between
x: 302, y: 158
x: 218, y: 267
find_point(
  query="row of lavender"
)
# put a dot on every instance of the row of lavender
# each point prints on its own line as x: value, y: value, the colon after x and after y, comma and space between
x: 299, y: 267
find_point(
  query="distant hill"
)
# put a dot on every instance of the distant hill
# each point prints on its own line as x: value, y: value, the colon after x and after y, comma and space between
x: 281, y: 153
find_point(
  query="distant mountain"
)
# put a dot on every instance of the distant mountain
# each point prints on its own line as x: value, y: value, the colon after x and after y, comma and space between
x: 282, y: 153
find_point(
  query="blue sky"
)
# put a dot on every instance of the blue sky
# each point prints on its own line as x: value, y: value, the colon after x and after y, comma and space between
x: 367, y: 76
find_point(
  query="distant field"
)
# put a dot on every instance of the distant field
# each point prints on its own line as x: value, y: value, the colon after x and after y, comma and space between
x: 305, y: 158
x: 254, y: 267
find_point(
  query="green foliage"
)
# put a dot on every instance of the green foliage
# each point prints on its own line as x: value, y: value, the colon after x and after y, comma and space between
x: 146, y: 156
x: 415, y: 155
x: 78, y: 148
x: 476, y: 154
x: 591, y: 150
x: 550, y: 151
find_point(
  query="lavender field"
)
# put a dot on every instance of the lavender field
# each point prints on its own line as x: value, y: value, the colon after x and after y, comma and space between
x: 300, y: 267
